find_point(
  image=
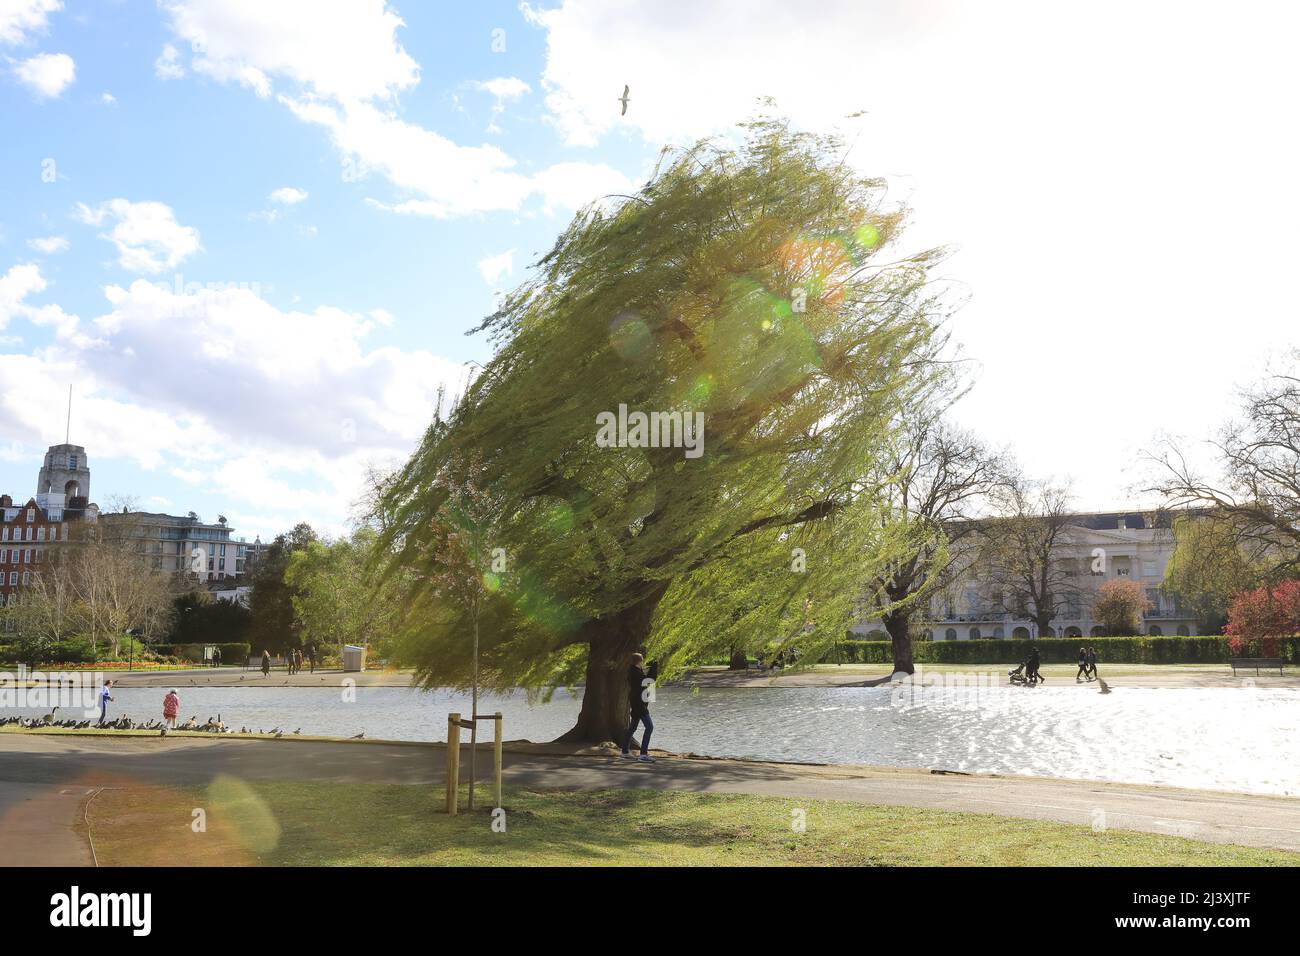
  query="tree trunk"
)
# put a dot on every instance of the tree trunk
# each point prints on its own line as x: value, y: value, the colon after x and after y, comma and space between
x: 739, y: 660
x: 901, y: 640
x: 605, y: 709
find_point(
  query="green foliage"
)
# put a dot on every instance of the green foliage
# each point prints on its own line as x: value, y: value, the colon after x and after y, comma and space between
x: 744, y: 284
x: 335, y: 601
x: 202, y: 619
x: 1208, y: 567
x: 231, y: 653
x: 272, y: 627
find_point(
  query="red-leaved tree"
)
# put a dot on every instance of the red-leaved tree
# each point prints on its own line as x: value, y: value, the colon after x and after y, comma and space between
x: 1264, y: 617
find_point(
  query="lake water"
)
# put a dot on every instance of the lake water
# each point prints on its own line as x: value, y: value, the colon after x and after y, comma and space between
x: 1242, y: 739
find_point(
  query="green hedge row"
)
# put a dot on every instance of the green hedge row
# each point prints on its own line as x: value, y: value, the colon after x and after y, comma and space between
x: 1059, y: 650
x: 236, y: 653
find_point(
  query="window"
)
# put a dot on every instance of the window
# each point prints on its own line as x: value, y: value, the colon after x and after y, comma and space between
x: 72, y: 462
x: 31, y: 514
x: 974, y: 633
x: 950, y: 634
x: 40, y: 534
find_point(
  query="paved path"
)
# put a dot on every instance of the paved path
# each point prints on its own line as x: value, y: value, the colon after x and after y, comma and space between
x: 30, y: 762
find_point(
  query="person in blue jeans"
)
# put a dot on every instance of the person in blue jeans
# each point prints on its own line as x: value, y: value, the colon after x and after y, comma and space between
x: 105, y: 695
x: 636, y: 696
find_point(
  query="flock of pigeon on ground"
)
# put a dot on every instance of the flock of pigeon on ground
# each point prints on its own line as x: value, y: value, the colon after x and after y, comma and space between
x: 215, y: 725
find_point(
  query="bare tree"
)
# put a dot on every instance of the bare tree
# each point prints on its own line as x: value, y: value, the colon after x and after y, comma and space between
x: 1257, y: 497
x: 1020, y: 547
x: 939, y: 477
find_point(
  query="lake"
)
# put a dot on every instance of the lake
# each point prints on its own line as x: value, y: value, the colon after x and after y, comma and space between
x: 1242, y: 739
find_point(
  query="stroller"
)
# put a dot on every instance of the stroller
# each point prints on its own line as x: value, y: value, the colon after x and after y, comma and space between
x: 1022, y: 676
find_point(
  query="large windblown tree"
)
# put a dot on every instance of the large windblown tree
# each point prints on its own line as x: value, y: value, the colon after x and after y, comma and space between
x: 746, y: 285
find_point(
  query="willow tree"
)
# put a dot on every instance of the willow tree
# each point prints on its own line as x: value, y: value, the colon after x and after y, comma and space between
x: 744, y: 284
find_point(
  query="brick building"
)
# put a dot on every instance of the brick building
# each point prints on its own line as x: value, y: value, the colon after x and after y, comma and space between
x: 31, y: 531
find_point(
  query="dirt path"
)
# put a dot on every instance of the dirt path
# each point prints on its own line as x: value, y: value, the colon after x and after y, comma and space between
x: 31, y: 764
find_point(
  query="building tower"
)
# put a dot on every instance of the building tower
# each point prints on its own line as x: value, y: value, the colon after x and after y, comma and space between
x: 65, y: 472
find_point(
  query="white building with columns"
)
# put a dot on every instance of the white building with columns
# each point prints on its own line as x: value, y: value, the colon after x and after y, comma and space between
x: 1094, y: 547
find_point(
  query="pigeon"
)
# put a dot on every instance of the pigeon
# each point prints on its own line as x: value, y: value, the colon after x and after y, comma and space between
x: 360, y: 735
x: 624, y: 99
x: 1105, y: 688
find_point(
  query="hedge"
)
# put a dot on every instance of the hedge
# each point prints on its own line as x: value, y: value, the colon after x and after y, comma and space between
x: 230, y: 653
x: 1056, y: 650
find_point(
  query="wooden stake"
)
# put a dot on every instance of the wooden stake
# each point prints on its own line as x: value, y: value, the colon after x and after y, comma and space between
x: 496, y: 756
x: 453, y: 762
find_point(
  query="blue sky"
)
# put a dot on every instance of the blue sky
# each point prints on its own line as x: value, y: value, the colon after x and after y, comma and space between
x: 268, y: 225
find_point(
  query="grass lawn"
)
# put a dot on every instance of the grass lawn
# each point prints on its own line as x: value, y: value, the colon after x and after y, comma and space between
x: 313, y: 824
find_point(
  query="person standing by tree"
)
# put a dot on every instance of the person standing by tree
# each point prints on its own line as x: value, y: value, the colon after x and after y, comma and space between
x: 637, y: 691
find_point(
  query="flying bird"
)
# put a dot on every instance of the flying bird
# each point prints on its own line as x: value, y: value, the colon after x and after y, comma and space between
x: 624, y: 99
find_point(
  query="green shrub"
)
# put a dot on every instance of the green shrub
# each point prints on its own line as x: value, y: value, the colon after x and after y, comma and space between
x: 1054, y: 650
x: 235, y: 653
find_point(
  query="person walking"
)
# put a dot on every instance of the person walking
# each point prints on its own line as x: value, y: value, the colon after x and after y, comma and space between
x: 636, y: 696
x: 1031, y: 667
x: 297, y: 660
x: 1092, y: 662
x: 1083, y: 665
x: 216, y: 657
x: 266, y: 663
x: 171, y: 707
x: 105, y: 695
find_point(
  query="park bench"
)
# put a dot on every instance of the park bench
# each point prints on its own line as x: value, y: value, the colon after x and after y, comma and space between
x: 1255, y: 662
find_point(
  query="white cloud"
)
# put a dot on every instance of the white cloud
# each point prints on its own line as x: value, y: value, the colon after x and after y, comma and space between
x: 493, y: 268
x: 345, y: 66
x: 168, y: 65
x: 1088, y: 168
x: 504, y: 89
x: 49, y: 245
x: 15, y: 286
x: 300, y: 396
x: 23, y: 281
x: 335, y: 48
x: 288, y: 195
x: 147, y: 236
x: 305, y: 378
x: 19, y: 19
x: 46, y: 74
x: 107, y: 98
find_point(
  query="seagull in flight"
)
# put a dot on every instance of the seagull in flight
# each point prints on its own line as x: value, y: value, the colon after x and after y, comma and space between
x: 623, y: 99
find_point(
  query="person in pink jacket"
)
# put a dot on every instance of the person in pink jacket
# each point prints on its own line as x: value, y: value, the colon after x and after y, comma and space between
x: 171, y: 707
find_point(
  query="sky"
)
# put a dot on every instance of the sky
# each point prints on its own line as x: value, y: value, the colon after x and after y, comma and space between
x: 253, y: 235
